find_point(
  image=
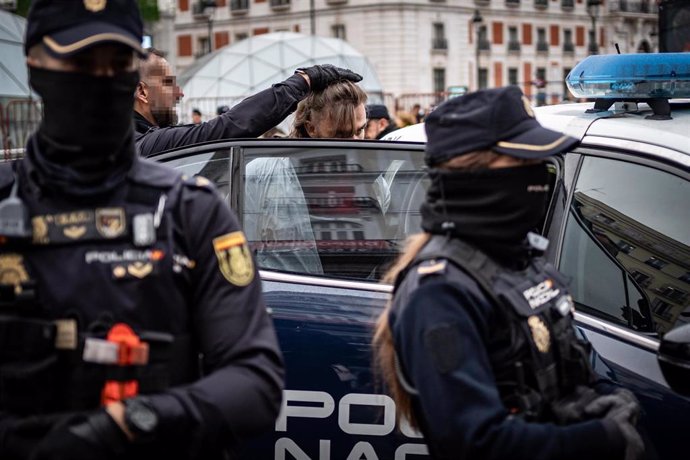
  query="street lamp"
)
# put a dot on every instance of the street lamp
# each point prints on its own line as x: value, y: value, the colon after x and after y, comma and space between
x: 477, y: 20
x: 593, y: 11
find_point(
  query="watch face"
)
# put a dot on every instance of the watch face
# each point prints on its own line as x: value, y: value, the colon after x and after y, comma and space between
x: 142, y: 418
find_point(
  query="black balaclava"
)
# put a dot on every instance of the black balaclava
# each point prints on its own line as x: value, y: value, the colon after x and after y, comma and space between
x: 493, y: 209
x: 85, y: 140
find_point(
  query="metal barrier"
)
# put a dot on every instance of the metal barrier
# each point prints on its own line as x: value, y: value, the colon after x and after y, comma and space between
x: 22, y: 118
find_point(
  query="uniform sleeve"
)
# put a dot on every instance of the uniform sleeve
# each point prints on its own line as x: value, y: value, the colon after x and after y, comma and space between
x: 439, y: 338
x: 250, y: 118
x: 240, y: 393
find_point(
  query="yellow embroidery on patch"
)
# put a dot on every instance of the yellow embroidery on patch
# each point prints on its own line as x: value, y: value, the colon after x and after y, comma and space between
x: 234, y: 258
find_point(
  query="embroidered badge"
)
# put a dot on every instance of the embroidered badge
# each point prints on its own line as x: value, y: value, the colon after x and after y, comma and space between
x: 74, y: 231
x: 540, y: 333
x: 234, y: 258
x: 40, y: 230
x: 110, y: 222
x: 140, y: 269
x: 12, y: 271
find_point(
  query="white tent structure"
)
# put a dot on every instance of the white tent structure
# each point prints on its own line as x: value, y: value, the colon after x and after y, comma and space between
x: 234, y: 72
x: 13, y: 75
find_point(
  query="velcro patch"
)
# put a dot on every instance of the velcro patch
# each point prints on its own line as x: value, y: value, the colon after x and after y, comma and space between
x: 444, y: 345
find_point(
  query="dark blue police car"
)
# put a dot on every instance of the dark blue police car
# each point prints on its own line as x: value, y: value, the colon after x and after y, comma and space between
x: 325, y: 218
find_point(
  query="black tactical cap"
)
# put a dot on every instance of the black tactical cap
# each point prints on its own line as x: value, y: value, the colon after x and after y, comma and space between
x: 377, y: 111
x: 499, y: 119
x: 67, y: 27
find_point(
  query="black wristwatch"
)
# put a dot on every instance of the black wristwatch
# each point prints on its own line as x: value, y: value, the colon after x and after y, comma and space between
x: 141, y: 418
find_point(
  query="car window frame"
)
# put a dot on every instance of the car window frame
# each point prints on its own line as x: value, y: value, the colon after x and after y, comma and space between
x: 612, y: 149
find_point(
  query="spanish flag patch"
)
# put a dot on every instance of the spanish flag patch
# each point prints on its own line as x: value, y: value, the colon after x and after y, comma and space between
x: 234, y: 258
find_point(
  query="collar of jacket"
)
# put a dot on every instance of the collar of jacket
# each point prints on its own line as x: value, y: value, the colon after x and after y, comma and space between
x: 141, y: 124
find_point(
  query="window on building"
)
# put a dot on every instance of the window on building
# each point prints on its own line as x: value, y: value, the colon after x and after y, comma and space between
x: 513, y: 41
x: 241, y: 36
x: 203, y: 46
x: 662, y: 308
x: 338, y: 31
x: 568, y: 45
x: 685, y: 277
x: 439, y: 42
x: 656, y: 263
x: 439, y: 76
x: 566, y: 93
x: 239, y: 5
x: 512, y: 76
x: 483, y: 39
x: 643, y: 279
x: 625, y: 246
x: 673, y: 293
x: 542, y: 44
x: 483, y: 78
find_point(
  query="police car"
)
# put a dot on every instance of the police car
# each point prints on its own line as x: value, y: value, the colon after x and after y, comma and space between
x: 325, y: 218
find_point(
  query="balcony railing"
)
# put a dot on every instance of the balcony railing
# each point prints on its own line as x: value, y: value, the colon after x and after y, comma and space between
x: 336, y: 2
x: 279, y: 5
x: 439, y: 44
x: 484, y: 45
x: 634, y: 6
x: 482, y: 2
x: 512, y: 2
x: 514, y: 46
x: 542, y: 47
x: 239, y: 6
x: 541, y: 4
x: 568, y: 4
x: 202, y: 8
x: 568, y: 47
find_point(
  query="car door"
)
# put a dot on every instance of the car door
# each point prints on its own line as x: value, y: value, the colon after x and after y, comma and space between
x: 324, y: 220
x: 622, y: 235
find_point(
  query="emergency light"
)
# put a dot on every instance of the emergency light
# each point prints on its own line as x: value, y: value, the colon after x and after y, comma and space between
x: 651, y: 78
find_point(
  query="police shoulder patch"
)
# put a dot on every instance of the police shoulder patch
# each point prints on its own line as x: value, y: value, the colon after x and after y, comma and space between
x: 198, y: 182
x: 234, y: 258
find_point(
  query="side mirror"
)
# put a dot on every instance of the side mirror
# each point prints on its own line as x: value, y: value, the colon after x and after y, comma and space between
x: 674, y: 359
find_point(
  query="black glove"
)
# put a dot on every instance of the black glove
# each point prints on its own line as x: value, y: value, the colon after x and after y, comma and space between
x: 94, y: 436
x: 321, y: 76
x: 620, y: 410
x: 571, y: 409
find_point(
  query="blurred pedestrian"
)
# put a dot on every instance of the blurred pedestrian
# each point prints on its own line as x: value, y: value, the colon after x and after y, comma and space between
x: 196, y: 116
x: 379, y: 122
x: 478, y: 345
x: 132, y: 320
x: 158, y: 93
x: 337, y: 112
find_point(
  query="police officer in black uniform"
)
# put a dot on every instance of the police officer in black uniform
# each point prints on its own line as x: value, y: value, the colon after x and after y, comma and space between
x: 157, y: 93
x: 478, y: 345
x: 131, y: 316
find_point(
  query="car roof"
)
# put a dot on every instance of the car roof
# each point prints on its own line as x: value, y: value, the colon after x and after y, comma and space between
x: 573, y: 120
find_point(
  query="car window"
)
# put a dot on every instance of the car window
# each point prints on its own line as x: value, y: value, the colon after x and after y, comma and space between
x: 336, y: 212
x: 627, y: 245
x: 214, y: 166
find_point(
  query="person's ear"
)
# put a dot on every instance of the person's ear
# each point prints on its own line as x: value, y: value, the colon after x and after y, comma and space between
x: 142, y: 93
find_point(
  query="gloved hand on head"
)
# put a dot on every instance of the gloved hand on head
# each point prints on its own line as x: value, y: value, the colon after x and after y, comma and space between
x: 321, y: 76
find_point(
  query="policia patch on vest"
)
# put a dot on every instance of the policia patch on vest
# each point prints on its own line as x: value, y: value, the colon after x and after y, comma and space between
x: 234, y: 258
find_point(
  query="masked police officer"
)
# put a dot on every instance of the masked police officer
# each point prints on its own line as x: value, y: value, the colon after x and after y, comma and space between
x: 131, y: 317
x: 478, y: 345
x: 157, y: 93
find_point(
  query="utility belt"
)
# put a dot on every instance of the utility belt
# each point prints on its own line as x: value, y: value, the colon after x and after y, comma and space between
x: 48, y: 367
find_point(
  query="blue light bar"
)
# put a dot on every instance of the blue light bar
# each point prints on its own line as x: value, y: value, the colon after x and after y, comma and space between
x: 631, y: 76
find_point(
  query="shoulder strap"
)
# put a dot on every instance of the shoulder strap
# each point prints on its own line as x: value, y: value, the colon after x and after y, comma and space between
x: 468, y: 258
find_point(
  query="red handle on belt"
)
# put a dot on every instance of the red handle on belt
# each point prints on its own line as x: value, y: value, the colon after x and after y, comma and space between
x: 131, y: 352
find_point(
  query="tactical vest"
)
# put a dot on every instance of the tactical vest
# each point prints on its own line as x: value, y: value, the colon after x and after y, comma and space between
x: 52, y: 364
x: 535, y: 354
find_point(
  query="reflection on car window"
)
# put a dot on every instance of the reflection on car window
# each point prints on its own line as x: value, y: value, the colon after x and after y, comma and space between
x: 627, y: 245
x: 334, y: 212
x: 214, y: 166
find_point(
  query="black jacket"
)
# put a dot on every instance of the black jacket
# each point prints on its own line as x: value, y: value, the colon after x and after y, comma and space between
x: 250, y: 118
x: 175, y: 285
x: 442, y: 324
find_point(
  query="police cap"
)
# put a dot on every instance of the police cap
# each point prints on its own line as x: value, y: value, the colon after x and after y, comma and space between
x: 67, y: 27
x: 499, y: 119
